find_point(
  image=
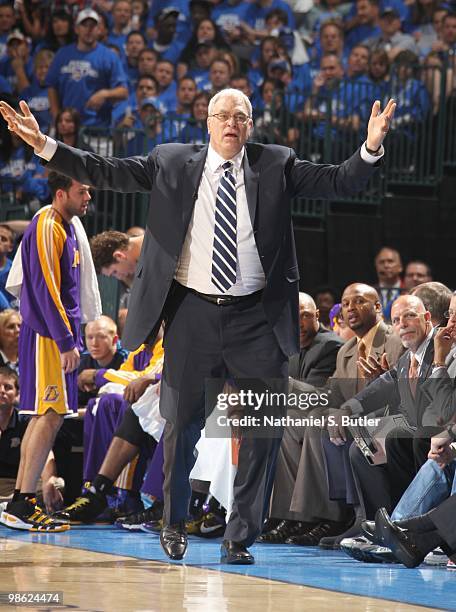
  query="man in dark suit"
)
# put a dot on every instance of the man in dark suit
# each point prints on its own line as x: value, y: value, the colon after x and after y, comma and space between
x: 218, y: 266
x: 401, y: 388
x: 308, y: 370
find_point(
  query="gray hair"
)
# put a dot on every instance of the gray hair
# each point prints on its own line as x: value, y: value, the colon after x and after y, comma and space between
x: 230, y: 93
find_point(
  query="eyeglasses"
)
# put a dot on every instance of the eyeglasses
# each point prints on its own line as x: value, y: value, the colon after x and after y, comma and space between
x: 449, y: 313
x: 239, y: 118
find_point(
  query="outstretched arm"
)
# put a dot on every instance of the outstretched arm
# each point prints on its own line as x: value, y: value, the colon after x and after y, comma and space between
x: 129, y: 175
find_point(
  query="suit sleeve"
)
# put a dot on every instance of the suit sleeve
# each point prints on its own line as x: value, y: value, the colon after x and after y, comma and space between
x: 325, y: 366
x: 329, y: 181
x: 129, y: 175
x: 442, y: 393
x: 380, y: 393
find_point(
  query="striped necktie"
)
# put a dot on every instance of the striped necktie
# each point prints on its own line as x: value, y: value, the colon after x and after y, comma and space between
x: 224, y: 254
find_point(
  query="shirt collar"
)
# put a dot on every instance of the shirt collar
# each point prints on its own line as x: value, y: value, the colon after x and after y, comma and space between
x: 419, y: 355
x: 215, y: 161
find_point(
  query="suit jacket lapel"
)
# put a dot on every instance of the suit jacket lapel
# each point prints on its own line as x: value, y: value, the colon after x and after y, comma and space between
x: 193, y: 171
x: 251, y: 186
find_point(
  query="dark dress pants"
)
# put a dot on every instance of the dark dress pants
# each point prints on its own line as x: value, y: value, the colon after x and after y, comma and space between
x: 205, y: 341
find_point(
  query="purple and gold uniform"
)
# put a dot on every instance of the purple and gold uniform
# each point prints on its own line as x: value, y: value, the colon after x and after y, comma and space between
x: 50, y: 308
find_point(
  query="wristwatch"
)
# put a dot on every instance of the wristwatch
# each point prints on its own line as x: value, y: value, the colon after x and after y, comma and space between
x: 371, y: 151
x: 436, y: 364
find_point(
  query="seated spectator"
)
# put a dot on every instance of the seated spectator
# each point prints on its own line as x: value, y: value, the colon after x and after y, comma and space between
x: 420, y: 23
x: 196, y: 128
x: 388, y: 266
x: 364, y: 24
x: 331, y: 40
x: 272, y: 122
x: 334, y: 10
x: 431, y: 76
x: 150, y: 129
x: 219, y: 76
x: 379, y: 68
x: 325, y: 299
x: 186, y: 92
x: 167, y: 40
x: 21, y: 173
x: 86, y: 75
x: 338, y: 324
x: 135, y: 43
x: 6, y: 247
x: 391, y: 39
x: 60, y: 32
x: 115, y: 254
x: 206, y: 31
x: 242, y: 82
x: 167, y: 88
x: 147, y: 62
x: 358, y: 63
x: 436, y: 299
x: 12, y: 430
x: 120, y: 14
x: 413, y: 109
x: 10, y: 324
x: 416, y: 272
x: 35, y: 93
x: 125, y: 113
x: 68, y: 128
x: 17, y: 54
x: 7, y: 22
x: 205, y: 54
x: 258, y: 11
x: 229, y: 16
x: 139, y: 9
x: 297, y: 86
x: 268, y: 50
x: 103, y: 351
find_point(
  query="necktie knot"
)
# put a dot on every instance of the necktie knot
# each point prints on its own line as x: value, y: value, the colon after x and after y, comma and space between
x: 227, y: 166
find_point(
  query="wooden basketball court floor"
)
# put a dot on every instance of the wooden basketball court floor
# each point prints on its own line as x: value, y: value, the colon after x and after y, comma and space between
x: 101, y: 568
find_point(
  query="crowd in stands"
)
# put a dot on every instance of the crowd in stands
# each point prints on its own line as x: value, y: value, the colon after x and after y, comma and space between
x: 330, y: 481
x: 148, y: 69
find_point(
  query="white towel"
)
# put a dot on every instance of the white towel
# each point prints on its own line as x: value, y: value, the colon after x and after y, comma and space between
x: 90, y: 294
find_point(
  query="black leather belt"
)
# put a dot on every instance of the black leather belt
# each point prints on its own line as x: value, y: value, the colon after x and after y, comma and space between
x: 224, y: 300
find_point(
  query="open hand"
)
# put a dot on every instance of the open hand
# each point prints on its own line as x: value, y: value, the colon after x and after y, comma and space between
x: 379, y: 124
x: 25, y: 125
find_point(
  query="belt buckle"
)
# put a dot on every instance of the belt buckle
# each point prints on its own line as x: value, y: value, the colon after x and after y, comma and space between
x: 220, y: 301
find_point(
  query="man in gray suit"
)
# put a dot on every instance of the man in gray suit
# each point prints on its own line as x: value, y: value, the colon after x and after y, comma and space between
x: 218, y: 266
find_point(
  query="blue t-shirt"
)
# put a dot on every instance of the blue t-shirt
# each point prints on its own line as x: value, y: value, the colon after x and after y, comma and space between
x: 256, y: 15
x: 228, y: 16
x: 36, y: 96
x: 7, y: 72
x: 5, y: 86
x: 20, y: 173
x: 5, y: 297
x: 77, y: 75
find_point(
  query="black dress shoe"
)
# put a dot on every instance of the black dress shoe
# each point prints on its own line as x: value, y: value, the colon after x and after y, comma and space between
x: 285, y: 529
x: 369, y: 531
x: 173, y: 540
x: 400, y: 542
x: 322, y: 530
x: 235, y: 553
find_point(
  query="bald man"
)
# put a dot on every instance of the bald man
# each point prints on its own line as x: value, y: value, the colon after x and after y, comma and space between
x: 310, y: 368
x: 401, y: 388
